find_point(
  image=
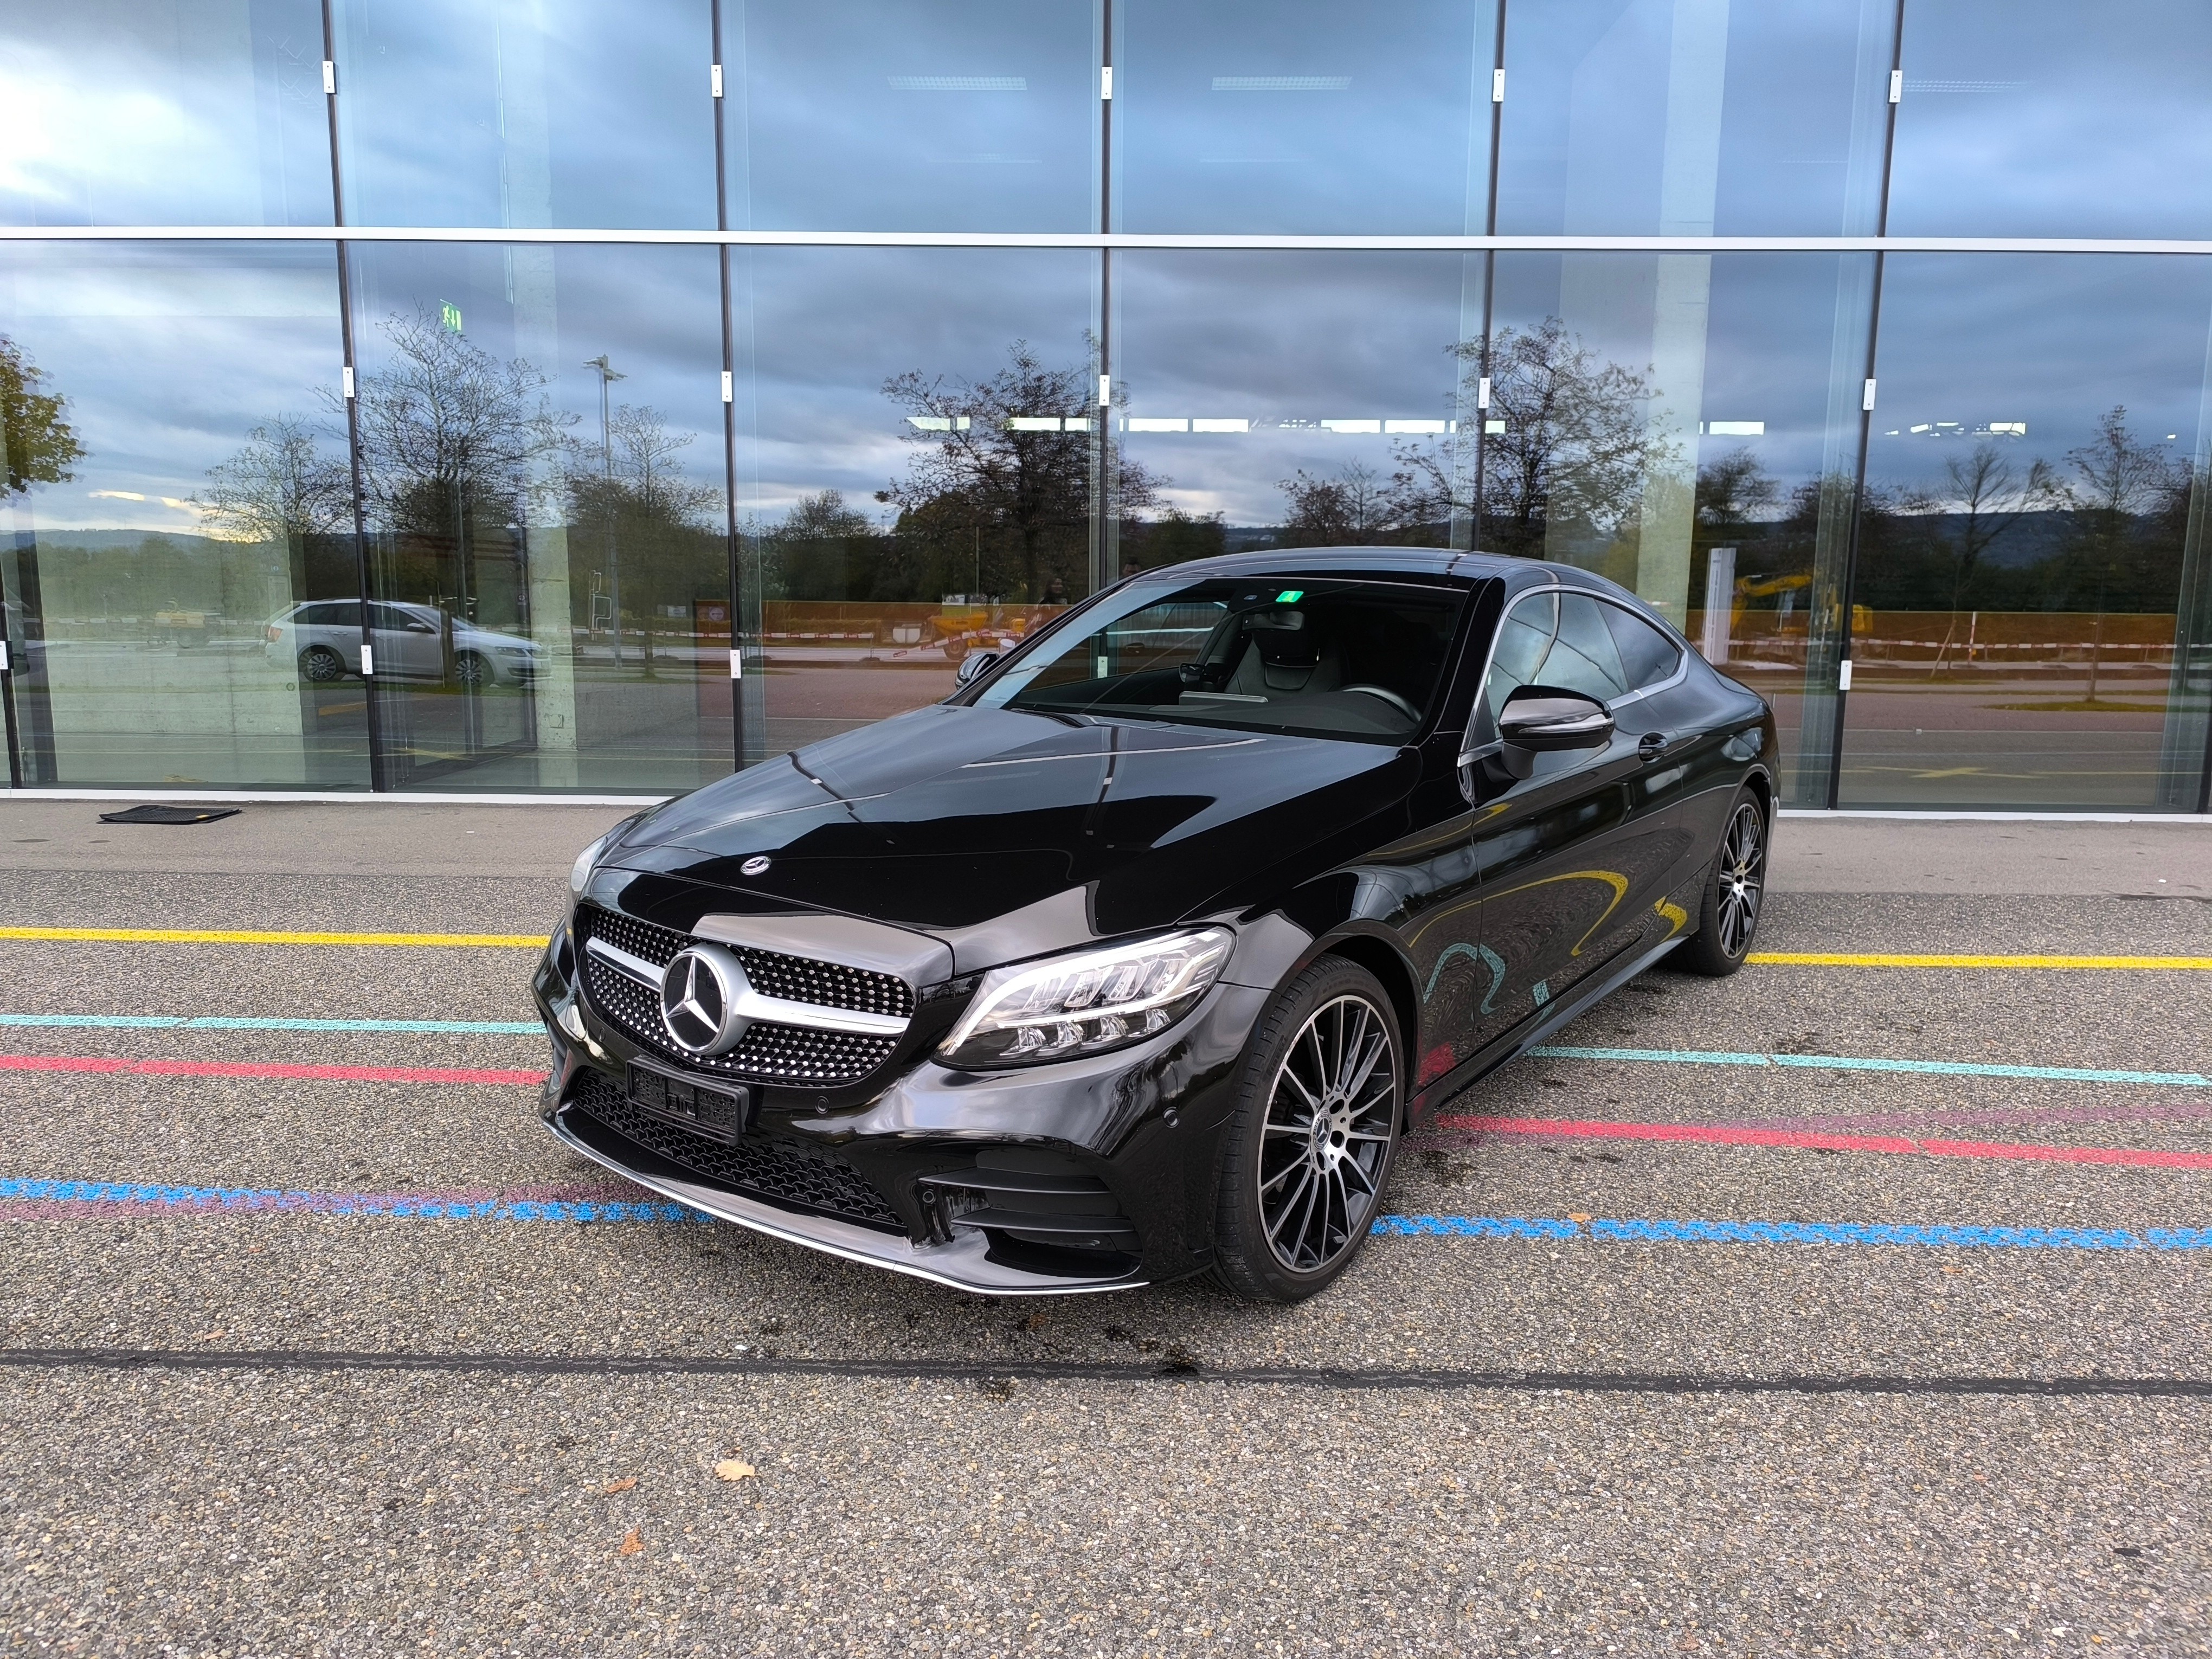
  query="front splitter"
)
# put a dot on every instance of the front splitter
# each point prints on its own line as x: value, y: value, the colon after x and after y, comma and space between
x: 963, y: 1263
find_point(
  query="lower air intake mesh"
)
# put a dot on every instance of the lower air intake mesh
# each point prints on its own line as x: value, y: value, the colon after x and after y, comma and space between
x: 792, y: 1177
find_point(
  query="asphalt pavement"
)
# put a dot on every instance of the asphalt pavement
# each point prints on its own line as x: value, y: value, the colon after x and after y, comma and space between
x: 1842, y: 1307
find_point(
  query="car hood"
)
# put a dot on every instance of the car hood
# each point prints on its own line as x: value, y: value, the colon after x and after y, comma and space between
x: 1008, y: 834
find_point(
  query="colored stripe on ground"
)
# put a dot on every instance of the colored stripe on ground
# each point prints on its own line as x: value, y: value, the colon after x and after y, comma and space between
x: 1716, y: 1134
x: 63, y: 1198
x: 266, y: 1069
x: 238, y: 936
x: 1843, y: 959
x: 240, y: 1022
x: 1745, y: 1135
x: 1857, y: 1063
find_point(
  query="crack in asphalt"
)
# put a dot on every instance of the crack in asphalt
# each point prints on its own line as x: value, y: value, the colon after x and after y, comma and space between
x: 1173, y: 1369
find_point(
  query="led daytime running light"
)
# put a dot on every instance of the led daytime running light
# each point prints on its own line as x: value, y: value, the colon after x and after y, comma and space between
x: 1086, y: 1002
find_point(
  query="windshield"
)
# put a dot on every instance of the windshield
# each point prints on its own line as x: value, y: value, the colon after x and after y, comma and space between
x: 1315, y: 656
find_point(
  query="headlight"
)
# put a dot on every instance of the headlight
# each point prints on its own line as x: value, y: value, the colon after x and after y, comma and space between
x: 582, y: 871
x: 1084, y: 1002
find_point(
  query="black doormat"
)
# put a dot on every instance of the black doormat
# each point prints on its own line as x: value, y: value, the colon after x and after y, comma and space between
x: 170, y: 815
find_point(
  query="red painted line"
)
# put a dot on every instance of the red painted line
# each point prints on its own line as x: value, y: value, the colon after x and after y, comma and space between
x: 1738, y: 1134
x: 232, y: 1068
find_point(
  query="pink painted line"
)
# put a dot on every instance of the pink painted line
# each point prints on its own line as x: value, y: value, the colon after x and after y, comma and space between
x: 238, y: 1068
x: 1741, y: 1134
x: 2019, y: 1117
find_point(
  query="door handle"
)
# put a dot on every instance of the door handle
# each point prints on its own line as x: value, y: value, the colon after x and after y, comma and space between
x: 1651, y: 745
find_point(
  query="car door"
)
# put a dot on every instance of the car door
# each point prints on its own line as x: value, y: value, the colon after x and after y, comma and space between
x: 1550, y: 849
x: 407, y: 642
x: 1662, y: 839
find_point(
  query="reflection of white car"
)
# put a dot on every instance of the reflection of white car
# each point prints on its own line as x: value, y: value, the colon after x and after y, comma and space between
x: 323, y: 638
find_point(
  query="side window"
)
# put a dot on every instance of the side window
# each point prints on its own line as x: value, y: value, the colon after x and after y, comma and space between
x: 1584, y: 658
x: 1647, y: 656
x: 333, y: 613
x: 1525, y: 639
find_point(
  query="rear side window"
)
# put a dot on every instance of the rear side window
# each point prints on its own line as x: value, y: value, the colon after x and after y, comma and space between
x: 332, y: 613
x: 1647, y: 656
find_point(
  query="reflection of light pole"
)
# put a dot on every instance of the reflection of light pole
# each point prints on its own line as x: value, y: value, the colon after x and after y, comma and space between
x: 607, y: 378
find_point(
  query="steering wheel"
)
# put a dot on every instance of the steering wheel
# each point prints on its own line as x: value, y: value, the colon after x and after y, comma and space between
x: 1391, y: 698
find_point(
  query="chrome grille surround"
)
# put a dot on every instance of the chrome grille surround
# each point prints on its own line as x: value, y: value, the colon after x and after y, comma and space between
x: 793, y: 1055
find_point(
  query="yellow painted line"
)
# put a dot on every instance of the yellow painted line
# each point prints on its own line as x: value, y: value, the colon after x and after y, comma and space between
x: 239, y: 936
x: 1831, y: 959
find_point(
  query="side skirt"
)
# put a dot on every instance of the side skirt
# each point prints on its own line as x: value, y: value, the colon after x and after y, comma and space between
x: 1514, y: 1044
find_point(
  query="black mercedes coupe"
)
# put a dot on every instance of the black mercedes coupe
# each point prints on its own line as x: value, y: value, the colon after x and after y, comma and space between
x: 1140, y: 955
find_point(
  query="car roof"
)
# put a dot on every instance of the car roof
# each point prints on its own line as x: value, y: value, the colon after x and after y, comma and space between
x: 1433, y: 562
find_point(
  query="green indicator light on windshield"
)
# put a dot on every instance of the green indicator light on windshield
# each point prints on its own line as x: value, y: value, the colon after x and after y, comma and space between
x: 1290, y: 596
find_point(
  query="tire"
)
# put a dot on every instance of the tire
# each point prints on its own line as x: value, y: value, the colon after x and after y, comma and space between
x: 955, y: 647
x: 1734, y: 895
x: 320, y: 665
x: 471, y: 672
x: 1290, y: 1210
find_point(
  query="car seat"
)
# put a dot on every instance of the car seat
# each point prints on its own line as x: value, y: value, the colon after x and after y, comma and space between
x: 1285, y: 655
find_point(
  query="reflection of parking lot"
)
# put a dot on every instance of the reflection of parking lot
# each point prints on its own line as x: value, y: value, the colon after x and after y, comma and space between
x: 1837, y: 1305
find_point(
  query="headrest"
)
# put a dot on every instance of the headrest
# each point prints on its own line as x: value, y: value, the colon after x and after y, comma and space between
x: 1284, y: 639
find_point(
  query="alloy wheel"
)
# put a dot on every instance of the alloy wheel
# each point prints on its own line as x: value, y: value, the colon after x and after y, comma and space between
x: 1332, y: 1115
x: 1742, y: 877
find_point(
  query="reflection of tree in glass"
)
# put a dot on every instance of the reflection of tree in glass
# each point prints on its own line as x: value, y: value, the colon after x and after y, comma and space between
x: 449, y: 433
x: 1565, y: 443
x: 1983, y: 497
x: 644, y: 504
x: 281, y: 488
x: 2118, y: 486
x: 823, y: 549
x: 1353, y: 509
x: 1003, y: 471
x: 37, y: 445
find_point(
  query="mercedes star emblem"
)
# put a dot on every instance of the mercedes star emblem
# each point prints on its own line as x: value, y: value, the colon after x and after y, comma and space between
x: 700, y: 991
x: 753, y: 865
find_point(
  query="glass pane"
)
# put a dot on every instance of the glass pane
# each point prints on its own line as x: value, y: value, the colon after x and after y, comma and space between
x: 2032, y: 521
x: 1304, y: 115
x: 1584, y: 658
x: 123, y: 113
x: 1291, y: 400
x: 557, y: 112
x: 892, y: 115
x: 175, y: 488
x: 1647, y: 656
x: 1315, y: 656
x: 1523, y: 642
x: 916, y: 466
x: 1690, y: 118
x: 2051, y: 119
x: 1687, y: 425
x: 543, y: 459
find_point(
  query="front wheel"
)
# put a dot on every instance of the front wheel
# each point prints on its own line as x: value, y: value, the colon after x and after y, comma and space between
x: 1728, y: 918
x: 1309, y: 1152
x: 472, y: 672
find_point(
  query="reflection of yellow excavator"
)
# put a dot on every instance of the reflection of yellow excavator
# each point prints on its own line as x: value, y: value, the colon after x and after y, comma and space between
x: 1748, y: 588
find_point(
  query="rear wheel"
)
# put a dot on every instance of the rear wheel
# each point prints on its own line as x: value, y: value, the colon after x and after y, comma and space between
x: 1728, y: 920
x: 1309, y: 1152
x: 319, y: 664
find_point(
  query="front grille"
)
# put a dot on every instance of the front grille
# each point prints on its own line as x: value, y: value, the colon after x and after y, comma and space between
x: 795, y: 1054
x: 794, y: 1177
x: 794, y: 979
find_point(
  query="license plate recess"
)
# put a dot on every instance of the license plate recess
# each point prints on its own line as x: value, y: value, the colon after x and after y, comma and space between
x: 720, y: 1111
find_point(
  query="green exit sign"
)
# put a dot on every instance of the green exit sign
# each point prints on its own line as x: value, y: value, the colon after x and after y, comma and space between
x: 450, y: 315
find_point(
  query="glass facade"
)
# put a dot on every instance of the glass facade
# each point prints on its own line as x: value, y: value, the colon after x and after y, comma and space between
x: 505, y: 396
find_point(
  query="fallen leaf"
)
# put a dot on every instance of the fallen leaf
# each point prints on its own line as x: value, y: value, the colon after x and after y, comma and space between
x: 1579, y: 1220
x: 734, y: 1468
x: 614, y: 1486
x: 631, y: 1543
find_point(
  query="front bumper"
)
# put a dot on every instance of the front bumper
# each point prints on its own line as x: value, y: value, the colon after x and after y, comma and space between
x: 1087, y: 1175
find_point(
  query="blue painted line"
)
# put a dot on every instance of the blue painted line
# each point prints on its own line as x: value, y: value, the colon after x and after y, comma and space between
x: 161, y: 1197
x: 1854, y: 1063
x: 219, y: 1023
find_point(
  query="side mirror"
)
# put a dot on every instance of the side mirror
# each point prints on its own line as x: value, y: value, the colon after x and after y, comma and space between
x: 1542, y: 719
x: 974, y: 665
